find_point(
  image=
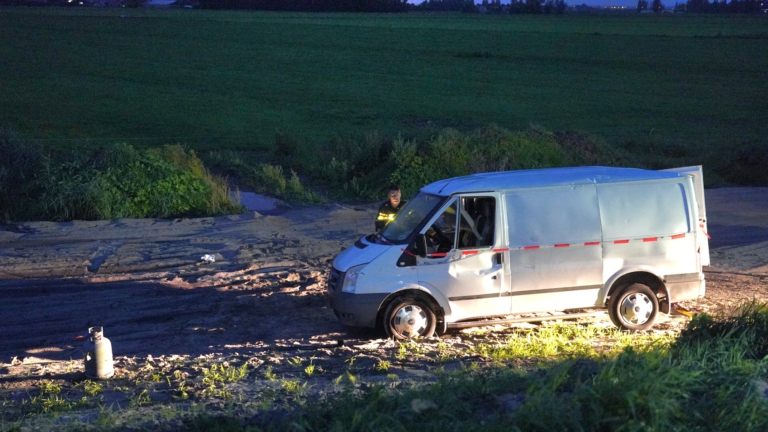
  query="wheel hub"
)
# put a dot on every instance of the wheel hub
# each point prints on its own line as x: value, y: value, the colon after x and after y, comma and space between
x: 636, y: 309
x: 410, y: 321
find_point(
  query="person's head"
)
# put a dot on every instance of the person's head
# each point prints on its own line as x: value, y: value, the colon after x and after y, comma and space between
x: 394, y: 195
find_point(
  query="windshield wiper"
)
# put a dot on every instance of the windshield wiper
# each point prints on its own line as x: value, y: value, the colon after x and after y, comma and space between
x: 380, y: 236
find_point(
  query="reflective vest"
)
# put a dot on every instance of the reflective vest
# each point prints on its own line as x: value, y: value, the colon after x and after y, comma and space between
x: 387, y: 213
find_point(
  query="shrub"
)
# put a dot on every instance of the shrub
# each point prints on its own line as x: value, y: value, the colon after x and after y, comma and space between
x: 21, y: 165
x: 451, y: 153
x: 113, y: 182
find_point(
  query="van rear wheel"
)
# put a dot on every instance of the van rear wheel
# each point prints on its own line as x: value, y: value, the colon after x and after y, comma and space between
x: 634, y: 307
x: 409, y: 317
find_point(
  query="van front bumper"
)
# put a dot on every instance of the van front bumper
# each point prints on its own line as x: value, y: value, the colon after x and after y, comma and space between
x: 357, y: 310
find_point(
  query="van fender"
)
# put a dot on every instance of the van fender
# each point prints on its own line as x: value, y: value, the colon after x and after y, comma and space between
x: 433, y: 293
x: 642, y: 274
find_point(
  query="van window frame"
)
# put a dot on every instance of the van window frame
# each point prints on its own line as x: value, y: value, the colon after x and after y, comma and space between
x: 460, y: 215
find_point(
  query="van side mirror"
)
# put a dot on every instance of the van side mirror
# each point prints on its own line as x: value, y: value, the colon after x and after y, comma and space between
x: 420, y: 245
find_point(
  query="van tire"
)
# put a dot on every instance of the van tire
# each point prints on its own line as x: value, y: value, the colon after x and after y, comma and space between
x: 634, y: 307
x: 409, y: 317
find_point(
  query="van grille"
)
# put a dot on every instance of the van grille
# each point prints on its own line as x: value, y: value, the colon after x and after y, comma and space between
x: 335, y: 279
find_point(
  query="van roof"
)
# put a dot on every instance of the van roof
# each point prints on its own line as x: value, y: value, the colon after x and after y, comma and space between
x: 521, y: 179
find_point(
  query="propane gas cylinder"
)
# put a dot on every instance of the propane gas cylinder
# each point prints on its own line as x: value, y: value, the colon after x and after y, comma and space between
x: 98, y: 354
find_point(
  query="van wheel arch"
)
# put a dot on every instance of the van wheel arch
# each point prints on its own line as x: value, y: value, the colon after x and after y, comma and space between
x: 414, y: 293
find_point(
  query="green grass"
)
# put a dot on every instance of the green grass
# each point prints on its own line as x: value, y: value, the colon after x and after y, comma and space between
x: 231, y: 79
x: 712, y: 378
x: 351, y: 102
x: 567, y: 341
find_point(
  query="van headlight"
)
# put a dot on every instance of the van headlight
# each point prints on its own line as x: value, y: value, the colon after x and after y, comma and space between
x: 350, y: 280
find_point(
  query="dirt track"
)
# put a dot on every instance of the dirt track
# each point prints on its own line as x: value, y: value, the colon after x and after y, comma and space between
x: 261, y: 301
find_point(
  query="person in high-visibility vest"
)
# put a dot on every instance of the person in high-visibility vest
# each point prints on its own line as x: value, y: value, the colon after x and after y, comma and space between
x: 391, y: 206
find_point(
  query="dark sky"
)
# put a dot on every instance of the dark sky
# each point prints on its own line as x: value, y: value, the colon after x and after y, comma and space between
x: 628, y: 3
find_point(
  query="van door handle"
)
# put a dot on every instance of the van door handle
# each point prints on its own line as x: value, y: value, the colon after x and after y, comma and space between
x: 499, y: 257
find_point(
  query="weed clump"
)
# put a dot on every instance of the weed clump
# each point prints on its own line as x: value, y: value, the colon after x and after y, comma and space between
x: 263, y: 178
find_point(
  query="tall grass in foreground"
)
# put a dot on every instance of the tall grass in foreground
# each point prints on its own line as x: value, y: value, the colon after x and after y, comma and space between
x: 713, y: 378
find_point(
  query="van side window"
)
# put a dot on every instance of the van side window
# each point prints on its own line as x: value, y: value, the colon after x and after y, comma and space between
x: 477, y: 221
x: 441, y: 235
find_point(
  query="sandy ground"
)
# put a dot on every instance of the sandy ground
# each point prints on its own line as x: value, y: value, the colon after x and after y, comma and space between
x: 261, y: 302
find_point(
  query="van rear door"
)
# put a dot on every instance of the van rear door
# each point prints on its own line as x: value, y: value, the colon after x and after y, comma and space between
x: 698, y: 185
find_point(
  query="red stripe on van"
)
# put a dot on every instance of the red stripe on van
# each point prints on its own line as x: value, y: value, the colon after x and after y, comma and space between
x: 620, y: 241
x: 469, y: 252
x: 530, y: 247
x: 650, y: 239
x: 677, y: 236
x: 438, y: 255
x: 562, y: 245
x: 501, y: 250
x: 591, y: 243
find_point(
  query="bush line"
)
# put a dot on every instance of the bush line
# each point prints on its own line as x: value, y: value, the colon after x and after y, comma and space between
x: 171, y: 181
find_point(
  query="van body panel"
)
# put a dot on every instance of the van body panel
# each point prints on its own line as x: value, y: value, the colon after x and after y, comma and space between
x: 663, y: 254
x: 547, y: 268
x: 472, y: 284
x: 555, y: 242
x: 653, y: 208
x: 562, y: 298
x: 552, y: 216
x: 384, y: 276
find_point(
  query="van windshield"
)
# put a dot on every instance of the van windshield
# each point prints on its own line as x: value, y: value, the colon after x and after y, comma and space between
x: 410, y: 217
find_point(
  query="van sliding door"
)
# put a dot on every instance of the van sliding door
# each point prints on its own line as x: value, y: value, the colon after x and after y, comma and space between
x: 555, y: 249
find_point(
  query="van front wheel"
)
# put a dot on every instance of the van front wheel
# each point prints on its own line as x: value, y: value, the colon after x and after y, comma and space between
x: 634, y: 307
x: 409, y: 317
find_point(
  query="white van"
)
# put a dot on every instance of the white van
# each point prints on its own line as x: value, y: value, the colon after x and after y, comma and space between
x: 503, y: 243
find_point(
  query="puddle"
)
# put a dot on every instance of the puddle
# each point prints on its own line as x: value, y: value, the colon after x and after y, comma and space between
x: 256, y: 202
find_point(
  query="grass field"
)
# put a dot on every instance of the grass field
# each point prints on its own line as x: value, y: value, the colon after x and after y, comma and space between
x: 214, y: 80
